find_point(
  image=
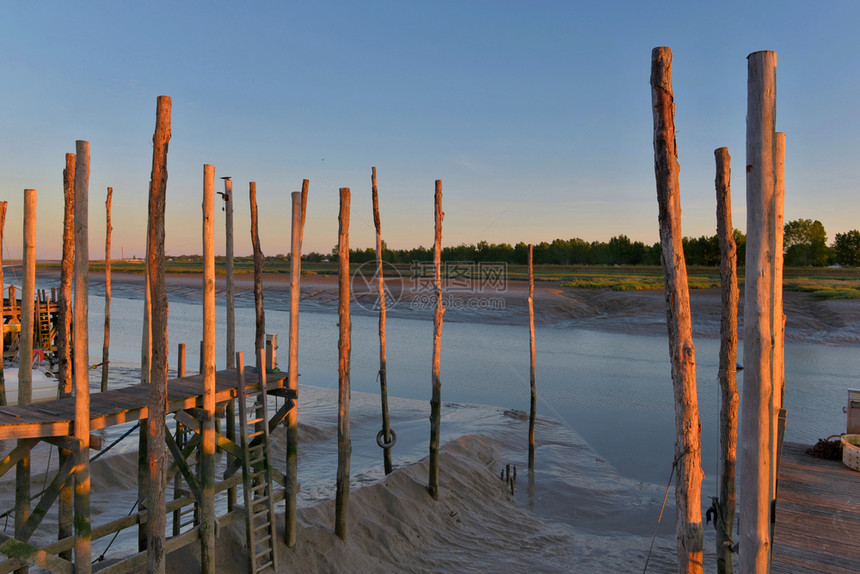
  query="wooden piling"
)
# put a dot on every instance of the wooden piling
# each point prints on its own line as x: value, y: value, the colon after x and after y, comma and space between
x: 344, y: 445
x: 80, y: 356
x: 64, y: 328
x: 293, y: 368
x: 207, y: 473
x: 177, y: 479
x: 156, y: 455
x: 435, y: 380
x: 724, y: 522
x: 689, y: 533
x: 228, y: 262
x: 757, y: 415
x: 65, y: 506
x: 3, y: 205
x: 532, y: 383
x: 383, y: 373
x: 25, y: 356
x: 260, y: 333
x: 106, y: 344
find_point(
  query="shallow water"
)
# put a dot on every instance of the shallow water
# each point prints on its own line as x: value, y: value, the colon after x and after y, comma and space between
x: 606, y: 430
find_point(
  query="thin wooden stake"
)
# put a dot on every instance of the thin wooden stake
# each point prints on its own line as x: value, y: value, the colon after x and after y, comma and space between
x: 689, y: 534
x: 532, y: 383
x: 260, y: 333
x: 757, y: 440
x: 83, y: 533
x: 436, y: 382
x: 156, y: 452
x: 344, y: 445
x: 293, y: 369
x: 25, y: 357
x: 3, y: 205
x: 65, y: 506
x: 106, y: 344
x: 207, y: 472
x: 383, y: 373
x: 64, y: 329
x: 725, y: 519
x: 228, y: 262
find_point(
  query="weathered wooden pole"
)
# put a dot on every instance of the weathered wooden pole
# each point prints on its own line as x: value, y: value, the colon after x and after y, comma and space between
x: 344, y: 445
x: 177, y: 478
x: 64, y: 328
x: 778, y: 313
x: 532, y: 383
x: 687, y: 465
x: 207, y: 471
x: 757, y: 412
x: 260, y: 333
x: 106, y: 344
x: 3, y: 205
x: 293, y: 368
x: 80, y: 356
x: 436, y: 382
x: 727, y: 503
x: 156, y: 455
x: 228, y: 262
x: 383, y: 376
x: 25, y: 355
x: 65, y: 506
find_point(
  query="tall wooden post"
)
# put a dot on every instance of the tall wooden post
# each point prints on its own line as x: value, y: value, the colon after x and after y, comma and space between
x: 260, y: 333
x: 207, y: 471
x: 83, y: 534
x: 778, y: 249
x: 227, y: 196
x: 25, y: 355
x: 228, y: 261
x: 65, y: 506
x: 435, y: 380
x: 689, y: 534
x: 106, y: 344
x: 757, y: 413
x: 293, y: 368
x: 344, y: 445
x: 725, y: 519
x: 533, y: 384
x: 156, y: 455
x: 383, y: 375
x: 3, y: 205
x: 64, y: 329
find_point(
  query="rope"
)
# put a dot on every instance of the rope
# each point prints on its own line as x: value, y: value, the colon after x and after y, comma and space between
x: 115, y: 534
x: 662, y: 507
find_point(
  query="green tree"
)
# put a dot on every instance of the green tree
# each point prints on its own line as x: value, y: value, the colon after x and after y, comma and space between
x: 805, y: 243
x: 846, y: 248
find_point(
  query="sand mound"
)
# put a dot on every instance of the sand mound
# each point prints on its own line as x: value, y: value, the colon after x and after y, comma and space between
x: 475, y: 526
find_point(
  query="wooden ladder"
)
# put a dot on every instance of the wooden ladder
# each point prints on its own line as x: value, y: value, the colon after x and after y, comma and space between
x: 43, y: 322
x: 257, y: 474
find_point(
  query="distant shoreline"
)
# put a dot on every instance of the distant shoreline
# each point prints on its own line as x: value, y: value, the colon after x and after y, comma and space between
x: 641, y: 312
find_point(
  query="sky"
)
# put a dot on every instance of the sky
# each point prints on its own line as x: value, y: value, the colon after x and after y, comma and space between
x: 535, y: 115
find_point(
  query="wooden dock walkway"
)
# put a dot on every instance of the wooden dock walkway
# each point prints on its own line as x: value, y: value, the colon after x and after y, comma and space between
x: 817, y: 515
x: 55, y: 418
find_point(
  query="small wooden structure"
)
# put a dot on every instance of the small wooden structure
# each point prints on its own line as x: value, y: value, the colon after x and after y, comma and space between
x: 817, y: 515
x: 47, y: 317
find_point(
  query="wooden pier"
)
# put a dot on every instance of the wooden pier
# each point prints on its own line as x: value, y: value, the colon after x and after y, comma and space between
x: 54, y: 422
x: 817, y: 515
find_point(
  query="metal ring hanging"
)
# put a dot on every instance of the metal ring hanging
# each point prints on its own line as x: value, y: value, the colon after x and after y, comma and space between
x: 381, y: 434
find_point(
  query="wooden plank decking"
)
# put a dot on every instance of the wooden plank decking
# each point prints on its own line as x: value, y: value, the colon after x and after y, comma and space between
x: 817, y: 515
x: 55, y: 418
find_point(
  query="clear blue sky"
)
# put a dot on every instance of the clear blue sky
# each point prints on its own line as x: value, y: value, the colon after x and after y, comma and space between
x: 536, y: 115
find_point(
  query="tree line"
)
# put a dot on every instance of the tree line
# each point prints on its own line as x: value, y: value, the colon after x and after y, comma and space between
x: 805, y: 244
